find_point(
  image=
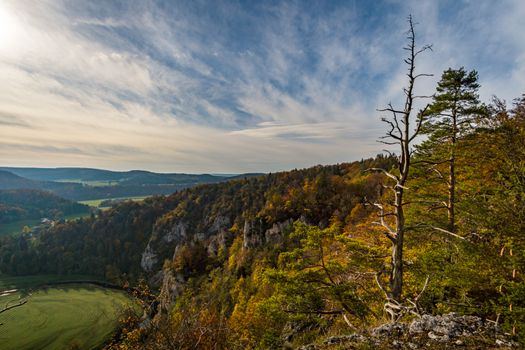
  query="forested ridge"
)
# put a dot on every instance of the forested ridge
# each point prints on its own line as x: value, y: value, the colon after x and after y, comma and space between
x: 111, y: 244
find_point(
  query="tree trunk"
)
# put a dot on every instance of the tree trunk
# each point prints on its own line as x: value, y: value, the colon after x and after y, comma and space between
x: 452, y: 173
x: 452, y: 194
x: 396, y: 278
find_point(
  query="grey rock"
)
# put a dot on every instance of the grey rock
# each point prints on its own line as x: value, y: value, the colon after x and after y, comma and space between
x: 446, y: 327
x: 148, y: 259
x: 172, y: 287
x: 252, y: 233
x: 219, y: 240
x: 275, y: 234
x: 178, y: 232
x: 389, y: 329
x: 219, y: 224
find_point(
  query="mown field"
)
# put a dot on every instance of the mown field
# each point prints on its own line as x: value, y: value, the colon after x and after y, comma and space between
x: 96, y: 202
x: 78, y: 316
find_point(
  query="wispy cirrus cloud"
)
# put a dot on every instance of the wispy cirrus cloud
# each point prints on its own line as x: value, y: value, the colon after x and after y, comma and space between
x: 229, y: 86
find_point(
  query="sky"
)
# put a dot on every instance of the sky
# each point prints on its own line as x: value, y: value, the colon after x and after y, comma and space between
x: 230, y: 86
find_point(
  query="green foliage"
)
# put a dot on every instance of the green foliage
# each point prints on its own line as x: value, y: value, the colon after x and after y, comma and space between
x: 325, y: 272
x: 483, y: 273
x: 455, y: 109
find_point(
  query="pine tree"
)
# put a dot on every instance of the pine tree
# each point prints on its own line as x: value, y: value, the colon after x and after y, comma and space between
x: 454, y: 113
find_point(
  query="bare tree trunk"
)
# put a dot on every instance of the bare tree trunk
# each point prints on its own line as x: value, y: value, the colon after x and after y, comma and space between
x: 400, y: 134
x: 396, y: 278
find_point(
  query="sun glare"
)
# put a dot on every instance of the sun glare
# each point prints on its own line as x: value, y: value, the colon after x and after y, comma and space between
x: 9, y: 28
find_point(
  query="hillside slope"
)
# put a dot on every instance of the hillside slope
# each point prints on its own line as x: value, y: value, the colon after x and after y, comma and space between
x: 134, y: 238
x: 24, y: 204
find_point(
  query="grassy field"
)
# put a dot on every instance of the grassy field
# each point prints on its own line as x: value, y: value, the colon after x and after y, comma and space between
x: 59, y: 317
x: 96, y: 202
x: 98, y: 183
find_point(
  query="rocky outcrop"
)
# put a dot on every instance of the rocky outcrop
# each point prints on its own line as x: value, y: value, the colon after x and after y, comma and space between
x: 172, y: 287
x: 219, y: 223
x: 149, y: 259
x: 447, y: 327
x: 219, y: 241
x: 275, y: 234
x: 178, y: 232
x: 253, y: 233
x: 428, y: 332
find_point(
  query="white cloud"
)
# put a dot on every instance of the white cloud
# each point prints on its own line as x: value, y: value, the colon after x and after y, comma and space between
x: 170, y: 92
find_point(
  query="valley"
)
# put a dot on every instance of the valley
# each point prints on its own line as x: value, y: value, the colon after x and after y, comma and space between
x: 262, y: 175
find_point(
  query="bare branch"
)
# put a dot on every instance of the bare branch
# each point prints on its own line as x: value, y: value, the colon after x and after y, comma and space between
x: 447, y: 232
x: 384, y: 172
x: 390, y: 109
x: 423, y: 49
x: 390, y: 233
x: 423, y: 289
x: 389, y: 143
x: 380, y: 284
x: 430, y: 162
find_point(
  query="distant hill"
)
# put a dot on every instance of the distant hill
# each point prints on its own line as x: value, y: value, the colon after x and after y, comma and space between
x: 25, y: 204
x: 91, y: 175
x: 11, y: 181
x: 86, y: 183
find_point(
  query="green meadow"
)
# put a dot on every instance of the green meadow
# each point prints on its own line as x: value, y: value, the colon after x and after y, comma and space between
x: 96, y: 202
x: 79, y: 316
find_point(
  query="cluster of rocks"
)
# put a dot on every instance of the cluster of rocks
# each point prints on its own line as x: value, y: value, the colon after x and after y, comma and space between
x: 429, y: 332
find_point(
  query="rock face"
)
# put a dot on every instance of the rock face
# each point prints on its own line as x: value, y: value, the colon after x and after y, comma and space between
x: 172, y: 286
x: 221, y: 240
x: 220, y: 223
x: 178, y: 232
x: 275, y: 234
x: 253, y: 233
x: 149, y: 259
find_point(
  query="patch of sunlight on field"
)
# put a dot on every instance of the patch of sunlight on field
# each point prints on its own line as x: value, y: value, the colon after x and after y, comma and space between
x: 96, y: 202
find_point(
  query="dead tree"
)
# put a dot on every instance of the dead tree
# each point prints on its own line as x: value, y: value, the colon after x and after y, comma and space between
x: 391, y: 215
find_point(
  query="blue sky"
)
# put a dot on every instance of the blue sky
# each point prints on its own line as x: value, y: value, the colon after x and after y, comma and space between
x: 229, y: 86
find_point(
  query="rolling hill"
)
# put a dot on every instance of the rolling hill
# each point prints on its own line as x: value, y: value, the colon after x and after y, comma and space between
x: 87, y: 184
